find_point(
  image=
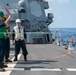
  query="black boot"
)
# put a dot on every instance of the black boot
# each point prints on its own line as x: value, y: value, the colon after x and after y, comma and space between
x: 15, y: 59
x: 7, y: 60
x: 2, y: 69
x: 3, y: 65
x: 25, y: 57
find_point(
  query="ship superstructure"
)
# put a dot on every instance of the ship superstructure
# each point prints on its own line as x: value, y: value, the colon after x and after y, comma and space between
x: 32, y: 14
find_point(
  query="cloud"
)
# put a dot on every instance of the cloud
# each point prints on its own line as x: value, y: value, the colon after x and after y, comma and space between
x: 60, y: 1
x: 51, y: 0
x: 60, y: 17
x: 63, y: 1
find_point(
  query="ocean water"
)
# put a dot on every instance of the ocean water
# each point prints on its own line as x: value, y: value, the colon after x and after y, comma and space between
x: 64, y: 29
x: 64, y: 33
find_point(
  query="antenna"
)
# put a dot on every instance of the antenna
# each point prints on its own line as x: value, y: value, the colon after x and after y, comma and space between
x: 10, y: 7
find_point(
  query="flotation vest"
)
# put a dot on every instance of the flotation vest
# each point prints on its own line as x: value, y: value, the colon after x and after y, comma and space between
x: 3, y: 32
x: 71, y: 40
x: 19, y: 34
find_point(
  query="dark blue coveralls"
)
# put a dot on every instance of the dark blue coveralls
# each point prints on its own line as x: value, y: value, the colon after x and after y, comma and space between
x: 7, y: 48
x: 2, y: 45
x: 20, y: 44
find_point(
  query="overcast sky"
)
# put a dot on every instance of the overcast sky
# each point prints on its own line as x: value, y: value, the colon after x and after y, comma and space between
x: 64, y: 12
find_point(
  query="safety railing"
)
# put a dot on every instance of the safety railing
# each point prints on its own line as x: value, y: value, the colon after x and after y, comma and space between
x: 33, y: 37
x: 65, y: 39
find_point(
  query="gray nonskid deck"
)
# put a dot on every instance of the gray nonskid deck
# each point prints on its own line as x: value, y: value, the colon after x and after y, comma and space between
x: 43, y: 59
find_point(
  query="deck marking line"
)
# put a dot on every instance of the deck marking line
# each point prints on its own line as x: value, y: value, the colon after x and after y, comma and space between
x: 45, y: 69
x: 17, y: 69
x: 71, y: 69
x: 7, y: 72
x: 68, y: 53
x: 11, y: 54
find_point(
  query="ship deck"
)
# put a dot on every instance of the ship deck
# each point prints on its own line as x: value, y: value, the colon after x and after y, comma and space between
x: 43, y: 59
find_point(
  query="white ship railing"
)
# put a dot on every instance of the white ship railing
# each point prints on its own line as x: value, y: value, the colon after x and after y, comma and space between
x: 65, y: 39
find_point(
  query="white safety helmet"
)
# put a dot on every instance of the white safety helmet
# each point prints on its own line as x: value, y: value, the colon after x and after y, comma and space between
x: 18, y: 20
